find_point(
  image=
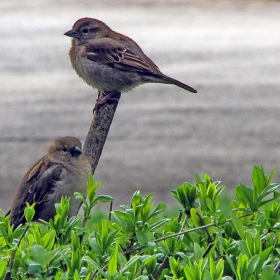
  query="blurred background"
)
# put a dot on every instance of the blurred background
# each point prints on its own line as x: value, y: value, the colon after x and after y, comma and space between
x: 161, y: 135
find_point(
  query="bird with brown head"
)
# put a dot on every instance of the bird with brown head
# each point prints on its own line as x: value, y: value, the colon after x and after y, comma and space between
x: 110, y: 61
x: 61, y: 172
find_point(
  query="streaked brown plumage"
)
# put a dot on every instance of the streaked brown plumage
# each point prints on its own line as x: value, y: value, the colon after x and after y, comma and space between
x: 110, y: 61
x: 61, y: 172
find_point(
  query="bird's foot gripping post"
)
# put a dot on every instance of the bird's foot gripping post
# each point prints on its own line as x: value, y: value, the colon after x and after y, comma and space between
x: 103, y: 98
x: 99, y: 128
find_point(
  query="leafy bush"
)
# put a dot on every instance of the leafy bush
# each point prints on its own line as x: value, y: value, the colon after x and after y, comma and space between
x: 140, y: 242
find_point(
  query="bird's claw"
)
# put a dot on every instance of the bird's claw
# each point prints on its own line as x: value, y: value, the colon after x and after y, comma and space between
x: 102, y: 100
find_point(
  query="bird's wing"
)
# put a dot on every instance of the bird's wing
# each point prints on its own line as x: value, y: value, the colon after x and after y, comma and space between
x: 118, y: 56
x: 35, y: 187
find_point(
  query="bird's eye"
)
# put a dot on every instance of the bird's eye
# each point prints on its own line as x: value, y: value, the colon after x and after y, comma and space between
x: 64, y: 149
x: 85, y: 30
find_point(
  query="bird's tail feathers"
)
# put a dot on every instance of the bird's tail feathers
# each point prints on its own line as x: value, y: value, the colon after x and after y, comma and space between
x: 170, y: 80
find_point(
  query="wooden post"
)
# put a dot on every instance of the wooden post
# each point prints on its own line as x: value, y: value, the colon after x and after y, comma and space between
x: 99, y: 130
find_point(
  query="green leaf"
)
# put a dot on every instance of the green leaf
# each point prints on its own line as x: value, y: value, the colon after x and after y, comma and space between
x: 158, y: 224
x: 113, y: 263
x: 75, y: 242
x: 159, y: 208
x: 79, y: 196
x: 210, y: 204
x: 3, y: 265
x: 258, y: 179
x: 212, y: 268
x: 211, y: 191
x: 198, y: 252
x: 94, y: 264
x: 40, y: 255
x: 33, y: 268
x: 150, y: 265
x: 232, y: 265
x: 130, y: 264
x: 264, y: 255
x: 91, y: 188
x: 125, y: 216
x: 267, y: 273
x: 49, y: 239
x: 239, y: 226
x: 136, y: 200
x: 195, y: 217
x: 242, y: 265
x: 244, y: 249
x: 109, y: 239
x: 271, y: 176
x: 173, y: 266
x: 252, y: 265
x: 142, y: 237
x: 186, y: 195
x: 29, y: 212
x: 275, y: 196
x: 245, y: 196
x: 268, y: 190
x: 219, y: 269
x: 104, y: 198
x: 76, y: 275
x: 219, y: 191
x: 198, y: 180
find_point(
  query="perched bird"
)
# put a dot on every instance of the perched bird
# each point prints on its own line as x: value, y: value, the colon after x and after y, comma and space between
x: 61, y: 172
x: 110, y: 61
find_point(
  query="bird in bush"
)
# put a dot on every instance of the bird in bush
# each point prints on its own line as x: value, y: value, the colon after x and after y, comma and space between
x: 110, y: 61
x: 61, y: 172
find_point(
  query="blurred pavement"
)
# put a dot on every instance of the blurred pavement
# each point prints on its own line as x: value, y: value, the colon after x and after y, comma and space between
x: 161, y: 135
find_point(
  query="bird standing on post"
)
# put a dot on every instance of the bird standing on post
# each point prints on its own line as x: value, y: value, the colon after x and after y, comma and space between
x: 110, y: 61
x: 61, y: 172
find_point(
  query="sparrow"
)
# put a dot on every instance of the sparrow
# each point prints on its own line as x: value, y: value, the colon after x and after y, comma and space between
x: 61, y: 172
x: 110, y: 61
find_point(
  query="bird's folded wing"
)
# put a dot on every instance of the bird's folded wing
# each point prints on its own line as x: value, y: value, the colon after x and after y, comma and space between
x: 37, y: 184
x: 117, y: 56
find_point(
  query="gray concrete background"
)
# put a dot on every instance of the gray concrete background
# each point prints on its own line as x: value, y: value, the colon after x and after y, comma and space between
x: 161, y: 135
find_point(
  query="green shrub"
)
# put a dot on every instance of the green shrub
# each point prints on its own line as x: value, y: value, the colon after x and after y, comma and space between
x: 141, y: 241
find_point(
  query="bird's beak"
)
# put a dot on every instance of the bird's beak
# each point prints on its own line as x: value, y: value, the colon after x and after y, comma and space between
x: 71, y: 33
x: 76, y: 151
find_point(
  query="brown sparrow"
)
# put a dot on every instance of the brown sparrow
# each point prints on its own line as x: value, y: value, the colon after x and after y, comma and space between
x: 61, y: 172
x: 110, y: 61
